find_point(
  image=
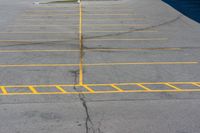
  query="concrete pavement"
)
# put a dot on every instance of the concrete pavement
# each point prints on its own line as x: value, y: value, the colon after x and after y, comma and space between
x: 98, y: 67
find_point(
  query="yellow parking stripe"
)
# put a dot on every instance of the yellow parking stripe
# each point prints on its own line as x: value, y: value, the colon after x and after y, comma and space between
x: 172, y: 86
x: 88, y: 90
x: 117, y: 88
x: 73, y: 19
x: 33, y: 90
x: 85, y: 25
x: 37, y: 32
x: 140, y: 63
x: 196, y: 84
x: 128, y: 39
x: 144, y: 87
x: 4, y: 91
x: 92, y: 14
x: 87, y: 31
x: 61, y: 89
x: 29, y: 41
x: 81, y: 43
x: 90, y: 50
x: 105, y: 92
x: 98, y: 64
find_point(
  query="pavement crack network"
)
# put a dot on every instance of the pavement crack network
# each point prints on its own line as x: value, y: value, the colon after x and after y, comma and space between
x: 138, y: 29
x: 89, y: 126
x: 46, y: 43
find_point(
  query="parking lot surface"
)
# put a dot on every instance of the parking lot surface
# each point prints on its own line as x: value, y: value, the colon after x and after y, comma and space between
x: 128, y: 66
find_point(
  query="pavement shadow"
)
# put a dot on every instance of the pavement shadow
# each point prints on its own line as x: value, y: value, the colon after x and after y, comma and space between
x: 190, y: 8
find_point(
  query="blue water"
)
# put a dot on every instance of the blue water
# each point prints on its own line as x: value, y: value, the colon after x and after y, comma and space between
x: 190, y: 8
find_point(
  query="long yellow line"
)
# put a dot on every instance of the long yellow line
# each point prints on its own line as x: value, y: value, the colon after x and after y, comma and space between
x: 15, y: 32
x: 33, y: 89
x: 102, y: 31
x: 40, y: 65
x: 95, y: 14
x: 102, y: 92
x: 64, y: 6
x: 70, y: 11
x: 86, y: 19
x: 4, y: 91
x: 67, y: 7
x: 131, y: 39
x: 106, y: 39
x: 90, y: 50
x: 38, y: 50
x: 29, y: 41
x: 140, y: 63
x: 88, y: 25
x: 87, y: 9
x: 97, y: 64
x: 110, y: 31
x: 81, y: 43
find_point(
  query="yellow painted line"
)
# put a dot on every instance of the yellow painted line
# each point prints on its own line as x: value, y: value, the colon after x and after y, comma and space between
x: 196, y: 84
x: 33, y: 89
x: 150, y: 83
x: 56, y: 7
x: 113, y: 25
x: 97, y: 64
x: 72, y: 6
x: 130, y: 39
x: 117, y: 88
x: 64, y: 10
x: 40, y: 65
x: 74, y: 32
x: 90, y: 85
x: 86, y: 25
x: 69, y: 11
x: 94, y: 14
x: 84, y: 9
x: 144, y: 87
x: 42, y: 25
x: 105, y: 92
x: 140, y: 63
x: 48, y: 15
x: 4, y: 91
x: 134, y: 49
x: 89, y: 50
x: 72, y: 10
x: 47, y: 19
x: 119, y: 31
x: 37, y: 32
x: 53, y: 85
x: 88, y: 88
x: 61, y: 89
x: 81, y: 43
x: 50, y: 11
x: 85, y: 20
x: 29, y: 51
x: 29, y: 41
x: 172, y: 86
x: 41, y: 93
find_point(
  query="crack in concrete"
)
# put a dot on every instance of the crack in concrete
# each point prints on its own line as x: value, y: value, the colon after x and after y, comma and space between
x: 46, y: 43
x: 89, y: 126
x: 139, y: 29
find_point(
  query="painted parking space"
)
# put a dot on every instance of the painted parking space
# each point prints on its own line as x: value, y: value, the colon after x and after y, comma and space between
x: 74, y: 89
x: 95, y: 45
